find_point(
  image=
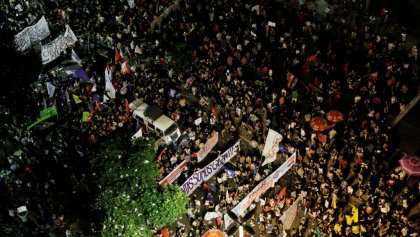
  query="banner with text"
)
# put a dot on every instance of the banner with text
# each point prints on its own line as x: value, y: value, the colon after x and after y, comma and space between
x: 264, y: 185
x: 32, y: 34
x: 52, y: 50
x: 171, y: 177
x: 209, y: 170
x: 271, y: 146
x: 203, y: 152
x: 289, y: 216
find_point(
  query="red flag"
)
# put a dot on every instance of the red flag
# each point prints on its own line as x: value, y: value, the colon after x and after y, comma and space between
x: 290, y: 79
x: 127, y: 106
x: 214, y: 111
x: 281, y: 195
x: 125, y: 69
x: 117, y: 56
x: 164, y: 232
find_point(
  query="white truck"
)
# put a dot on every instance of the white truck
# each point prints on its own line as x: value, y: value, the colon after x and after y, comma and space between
x: 154, y: 119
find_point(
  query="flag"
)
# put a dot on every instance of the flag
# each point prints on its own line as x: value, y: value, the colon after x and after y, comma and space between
x: 214, y: 111
x: 110, y: 90
x: 125, y: 69
x: 318, y: 232
x: 164, y: 232
x: 77, y: 100
x: 78, y: 73
x: 355, y: 212
x: 75, y: 57
x: 117, y: 56
x: 127, y: 106
x: 81, y: 74
x: 334, y: 201
x: 108, y: 74
x: 290, y: 80
x: 271, y: 146
x: 50, y: 89
x: 281, y: 195
x: 85, y: 116
x: 231, y: 173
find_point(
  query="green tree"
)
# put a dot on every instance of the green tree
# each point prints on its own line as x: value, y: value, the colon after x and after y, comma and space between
x: 130, y: 196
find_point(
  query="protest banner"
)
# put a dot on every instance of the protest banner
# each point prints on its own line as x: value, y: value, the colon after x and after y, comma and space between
x: 209, y: 170
x: 44, y: 115
x: 271, y: 146
x: 52, y: 50
x: 264, y: 185
x: 289, y: 216
x: 203, y: 152
x: 171, y: 177
x: 32, y: 34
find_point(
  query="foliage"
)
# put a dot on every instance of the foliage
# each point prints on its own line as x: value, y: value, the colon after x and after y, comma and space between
x: 133, y: 202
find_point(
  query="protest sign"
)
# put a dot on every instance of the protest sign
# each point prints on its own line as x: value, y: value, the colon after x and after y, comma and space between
x: 52, y: 50
x: 264, y: 185
x: 32, y: 34
x: 209, y: 170
x: 203, y: 152
x: 171, y: 177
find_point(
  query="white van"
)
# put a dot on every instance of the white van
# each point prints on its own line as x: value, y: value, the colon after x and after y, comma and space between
x: 152, y: 117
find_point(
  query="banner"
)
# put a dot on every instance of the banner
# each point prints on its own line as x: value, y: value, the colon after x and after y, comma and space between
x: 174, y: 174
x: 203, y: 152
x: 44, y: 115
x: 271, y: 146
x: 32, y: 34
x: 53, y: 49
x: 289, y: 216
x: 264, y: 185
x: 208, y: 171
x: 131, y: 3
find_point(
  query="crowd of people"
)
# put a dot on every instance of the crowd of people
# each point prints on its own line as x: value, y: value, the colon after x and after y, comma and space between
x: 253, y: 67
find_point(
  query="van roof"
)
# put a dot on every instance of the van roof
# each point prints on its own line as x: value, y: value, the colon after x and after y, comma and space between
x: 163, y: 123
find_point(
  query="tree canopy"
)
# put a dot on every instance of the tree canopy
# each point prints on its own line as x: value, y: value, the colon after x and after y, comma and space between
x: 130, y: 196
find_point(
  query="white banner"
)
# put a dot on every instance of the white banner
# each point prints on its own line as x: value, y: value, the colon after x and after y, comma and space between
x: 203, y: 152
x: 264, y: 185
x: 207, y: 172
x: 271, y: 146
x: 53, y: 49
x: 174, y: 174
x: 32, y: 34
x: 289, y: 216
x: 131, y: 3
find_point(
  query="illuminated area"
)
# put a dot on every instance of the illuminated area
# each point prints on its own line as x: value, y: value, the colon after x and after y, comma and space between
x: 216, y: 118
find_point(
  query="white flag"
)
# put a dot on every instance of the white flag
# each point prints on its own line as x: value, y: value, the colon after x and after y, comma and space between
x: 75, y: 57
x: 50, y: 89
x: 110, y: 90
x: 271, y: 146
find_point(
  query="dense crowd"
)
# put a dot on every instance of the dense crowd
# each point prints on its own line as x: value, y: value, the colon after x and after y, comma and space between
x: 237, y: 83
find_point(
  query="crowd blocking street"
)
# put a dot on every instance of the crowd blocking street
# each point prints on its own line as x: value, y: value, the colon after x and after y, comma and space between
x: 250, y: 67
